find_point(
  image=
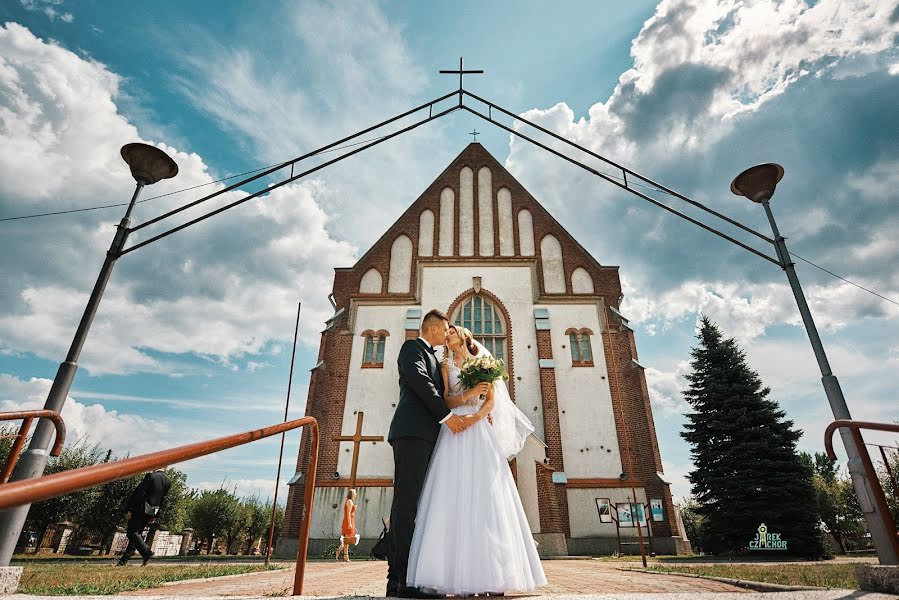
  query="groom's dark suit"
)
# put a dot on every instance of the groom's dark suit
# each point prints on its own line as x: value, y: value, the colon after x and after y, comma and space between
x: 413, y: 433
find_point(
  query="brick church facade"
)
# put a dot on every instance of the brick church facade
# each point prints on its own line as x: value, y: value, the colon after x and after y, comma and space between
x: 477, y: 245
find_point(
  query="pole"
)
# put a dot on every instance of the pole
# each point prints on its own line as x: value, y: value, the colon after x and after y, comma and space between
x: 34, y: 459
x: 880, y: 535
x: 886, y: 463
x: 271, y: 527
x: 635, y: 519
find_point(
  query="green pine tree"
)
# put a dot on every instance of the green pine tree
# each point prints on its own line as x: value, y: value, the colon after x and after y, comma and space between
x: 747, y: 469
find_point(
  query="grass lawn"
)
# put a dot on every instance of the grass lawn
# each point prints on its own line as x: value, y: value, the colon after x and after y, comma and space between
x: 829, y: 575
x: 61, y: 579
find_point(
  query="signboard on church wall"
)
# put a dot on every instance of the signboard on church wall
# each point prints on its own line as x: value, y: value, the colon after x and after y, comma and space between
x: 629, y: 514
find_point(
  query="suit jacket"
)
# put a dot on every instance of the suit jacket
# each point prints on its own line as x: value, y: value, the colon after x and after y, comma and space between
x: 152, y: 490
x: 421, y: 406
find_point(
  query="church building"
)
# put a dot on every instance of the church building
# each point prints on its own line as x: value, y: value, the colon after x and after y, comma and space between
x: 477, y: 245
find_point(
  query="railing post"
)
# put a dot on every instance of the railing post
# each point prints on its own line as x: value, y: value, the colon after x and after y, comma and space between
x: 15, y: 450
x: 306, y: 521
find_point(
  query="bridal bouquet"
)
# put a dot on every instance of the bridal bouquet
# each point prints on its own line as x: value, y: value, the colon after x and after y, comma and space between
x: 484, y: 369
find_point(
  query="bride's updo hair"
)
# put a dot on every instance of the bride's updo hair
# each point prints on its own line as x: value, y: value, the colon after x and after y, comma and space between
x: 467, y: 339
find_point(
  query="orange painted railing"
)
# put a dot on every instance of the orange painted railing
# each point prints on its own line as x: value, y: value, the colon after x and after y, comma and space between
x: 879, y: 498
x: 58, y: 484
x: 27, y: 417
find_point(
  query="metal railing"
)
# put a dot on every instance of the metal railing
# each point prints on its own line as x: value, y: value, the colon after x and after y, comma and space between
x: 880, y: 500
x: 27, y: 417
x: 58, y: 484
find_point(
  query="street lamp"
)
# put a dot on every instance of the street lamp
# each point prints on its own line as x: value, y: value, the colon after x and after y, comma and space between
x: 758, y: 184
x: 148, y: 166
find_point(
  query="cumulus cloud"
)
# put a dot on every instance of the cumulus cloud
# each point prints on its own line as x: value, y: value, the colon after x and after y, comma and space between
x: 747, y: 310
x: 224, y: 289
x: 666, y: 388
x: 122, y: 432
x: 716, y: 87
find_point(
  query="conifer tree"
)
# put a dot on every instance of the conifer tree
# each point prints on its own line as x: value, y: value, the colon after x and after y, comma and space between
x: 747, y: 471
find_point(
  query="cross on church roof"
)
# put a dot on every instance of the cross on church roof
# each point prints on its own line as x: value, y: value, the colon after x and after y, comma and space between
x: 357, y: 439
x: 474, y: 134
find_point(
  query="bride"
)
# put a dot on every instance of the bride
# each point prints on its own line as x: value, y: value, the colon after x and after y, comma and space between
x: 471, y: 534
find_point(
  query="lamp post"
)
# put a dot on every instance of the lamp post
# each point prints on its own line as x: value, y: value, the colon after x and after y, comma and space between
x: 148, y: 166
x: 758, y: 184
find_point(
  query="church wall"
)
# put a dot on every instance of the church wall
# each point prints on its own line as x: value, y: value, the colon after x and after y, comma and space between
x: 585, y: 517
x: 373, y: 391
x: 586, y: 416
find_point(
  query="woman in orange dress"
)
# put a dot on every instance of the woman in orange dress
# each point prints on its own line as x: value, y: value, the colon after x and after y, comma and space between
x: 348, y: 533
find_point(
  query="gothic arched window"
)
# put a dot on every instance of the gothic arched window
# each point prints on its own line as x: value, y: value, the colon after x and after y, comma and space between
x: 373, y: 352
x: 485, y: 320
x: 581, y: 350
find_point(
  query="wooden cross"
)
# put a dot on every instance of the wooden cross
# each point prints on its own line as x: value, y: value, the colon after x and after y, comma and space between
x: 460, y: 72
x: 357, y: 439
x: 474, y: 134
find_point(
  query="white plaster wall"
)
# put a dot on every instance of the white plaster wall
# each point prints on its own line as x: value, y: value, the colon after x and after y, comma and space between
x: 581, y: 282
x: 588, y: 420
x: 506, y: 237
x: 426, y: 233
x: 371, y: 504
x: 553, y: 267
x: 466, y: 212
x: 400, y: 266
x: 526, y: 232
x: 485, y: 212
x: 584, y: 518
x: 512, y: 284
x: 526, y: 477
x: 447, y: 221
x: 372, y: 391
x: 371, y: 282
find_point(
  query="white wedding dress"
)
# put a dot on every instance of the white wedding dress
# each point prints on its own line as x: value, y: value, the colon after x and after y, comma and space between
x: 471, y: 533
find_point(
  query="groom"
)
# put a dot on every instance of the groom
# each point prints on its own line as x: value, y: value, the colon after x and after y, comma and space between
x: 413, y: 433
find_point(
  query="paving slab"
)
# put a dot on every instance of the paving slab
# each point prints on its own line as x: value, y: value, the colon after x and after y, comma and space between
x: 369, y: 578
x: 803, y: 595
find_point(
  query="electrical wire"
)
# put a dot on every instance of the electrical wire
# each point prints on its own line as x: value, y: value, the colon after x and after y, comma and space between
x: 844, y: 279
x: 655, y: 189
x: 77, y: 210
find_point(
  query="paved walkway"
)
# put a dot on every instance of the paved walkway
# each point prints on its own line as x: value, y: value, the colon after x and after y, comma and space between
x: 368, y: 578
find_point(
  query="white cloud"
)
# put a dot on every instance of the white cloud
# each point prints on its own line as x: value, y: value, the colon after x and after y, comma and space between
x: 48, y: 7
x: 122, y: 432
x: 224, y: 290
x: 247, y: 488
x: 747, y: 310
x: 677, y: 475
x: 358, y: 71
x: 666, y: 388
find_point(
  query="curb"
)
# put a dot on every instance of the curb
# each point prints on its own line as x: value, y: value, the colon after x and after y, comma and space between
x: 757, y: 586
x: 216, y: 578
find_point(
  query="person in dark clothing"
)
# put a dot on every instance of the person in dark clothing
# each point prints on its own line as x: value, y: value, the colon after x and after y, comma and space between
x: 143, y: 506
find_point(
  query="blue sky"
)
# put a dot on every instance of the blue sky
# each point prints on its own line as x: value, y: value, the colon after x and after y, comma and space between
x: 192, y: 339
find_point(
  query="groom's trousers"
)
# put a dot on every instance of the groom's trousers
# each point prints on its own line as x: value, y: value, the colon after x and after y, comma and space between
x: 410, y: 465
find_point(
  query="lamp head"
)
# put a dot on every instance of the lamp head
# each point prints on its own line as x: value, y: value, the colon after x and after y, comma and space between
x: 757, y: 183
x: 148, y: 163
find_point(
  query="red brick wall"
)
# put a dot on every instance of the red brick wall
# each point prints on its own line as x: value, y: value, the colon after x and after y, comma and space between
x: 552, y: 519
x: 552, y: 430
